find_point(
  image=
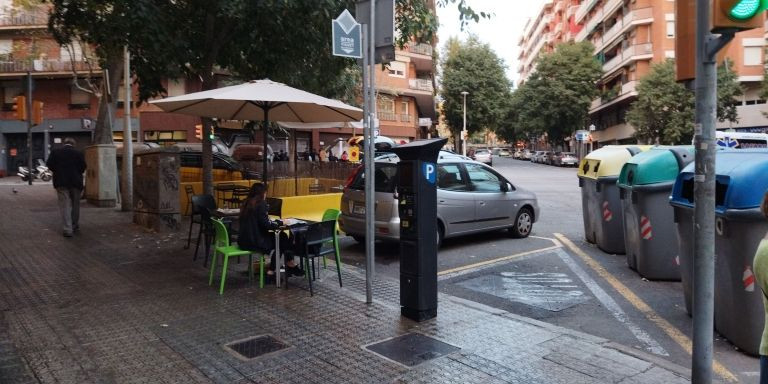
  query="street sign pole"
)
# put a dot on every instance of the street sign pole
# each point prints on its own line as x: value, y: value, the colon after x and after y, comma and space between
x: 707, y: 46
x: 370, y: 207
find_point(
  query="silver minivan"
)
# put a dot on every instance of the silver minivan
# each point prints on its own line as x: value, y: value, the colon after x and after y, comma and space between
x: 471, y: 197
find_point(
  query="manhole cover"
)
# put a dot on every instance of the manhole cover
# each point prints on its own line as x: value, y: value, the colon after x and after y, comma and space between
x: 412, y: 349
x: 255, y: 346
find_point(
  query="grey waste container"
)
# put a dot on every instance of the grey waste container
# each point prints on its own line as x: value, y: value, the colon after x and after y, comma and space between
x: 645, y: 184
x: 739, y: 227
x: 601, y: 207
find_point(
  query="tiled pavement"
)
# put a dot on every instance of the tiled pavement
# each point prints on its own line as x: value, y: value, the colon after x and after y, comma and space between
x: 117, y: 304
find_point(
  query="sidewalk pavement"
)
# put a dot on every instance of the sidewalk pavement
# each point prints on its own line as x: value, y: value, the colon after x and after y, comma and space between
x: 118, y: 304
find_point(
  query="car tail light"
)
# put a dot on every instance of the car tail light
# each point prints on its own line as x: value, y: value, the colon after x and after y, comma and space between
x: 352, y: 177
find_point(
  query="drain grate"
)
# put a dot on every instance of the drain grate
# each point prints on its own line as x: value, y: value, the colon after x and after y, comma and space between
x: 412, y: 349
x: 254, y: 347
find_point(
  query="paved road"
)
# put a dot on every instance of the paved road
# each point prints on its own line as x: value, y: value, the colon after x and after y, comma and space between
x: 568, y: 282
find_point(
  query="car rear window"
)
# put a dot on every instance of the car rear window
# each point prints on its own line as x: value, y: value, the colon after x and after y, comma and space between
x: 384, y: 180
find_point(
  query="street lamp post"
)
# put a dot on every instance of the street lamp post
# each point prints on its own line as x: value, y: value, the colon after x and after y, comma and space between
x: 464, y: 130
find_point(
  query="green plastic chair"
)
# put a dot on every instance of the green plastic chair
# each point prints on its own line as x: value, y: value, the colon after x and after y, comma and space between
x: 333, y: 214
x: 221, y: 246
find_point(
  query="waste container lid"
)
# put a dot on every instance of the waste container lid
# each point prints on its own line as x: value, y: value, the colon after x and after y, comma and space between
x: 740, y: 180
x: 657, y: 165
x: 608, y: 160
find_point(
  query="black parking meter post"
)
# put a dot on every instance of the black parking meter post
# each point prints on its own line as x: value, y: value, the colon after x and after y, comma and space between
x: 417, y: 206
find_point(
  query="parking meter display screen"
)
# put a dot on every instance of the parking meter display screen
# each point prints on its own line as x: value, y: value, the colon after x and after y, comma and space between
x: 405, y: 176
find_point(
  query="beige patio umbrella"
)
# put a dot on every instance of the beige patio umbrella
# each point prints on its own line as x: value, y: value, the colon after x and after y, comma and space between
x: 261, y: 100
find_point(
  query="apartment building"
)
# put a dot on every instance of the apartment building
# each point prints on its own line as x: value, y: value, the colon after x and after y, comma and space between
x: 555, y: 23
x: 629, y: 37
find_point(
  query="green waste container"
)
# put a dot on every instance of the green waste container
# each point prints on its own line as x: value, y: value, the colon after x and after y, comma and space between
x: 645, y: 184
x: 601, y: 207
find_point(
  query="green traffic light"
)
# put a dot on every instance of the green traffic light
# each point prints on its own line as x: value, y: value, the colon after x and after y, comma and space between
x: 745, y: 9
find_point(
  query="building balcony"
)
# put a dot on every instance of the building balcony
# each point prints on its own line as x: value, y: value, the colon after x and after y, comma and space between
x: 584, y: 8
x: 628, y: 55
x: 558, y: 7
x: 614, y: 95
x: 633, y: 18
x: 405, y: 118
x: 16, y: 67
x: 421, y: 56
x: 571, y: 11
x: 23, y: 19
x: 421, y: 85
x: 388, y: 116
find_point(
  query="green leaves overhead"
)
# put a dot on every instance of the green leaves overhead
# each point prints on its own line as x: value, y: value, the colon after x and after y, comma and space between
x: 664, y: 110
x: 555, y: 99
x: 473, y: 67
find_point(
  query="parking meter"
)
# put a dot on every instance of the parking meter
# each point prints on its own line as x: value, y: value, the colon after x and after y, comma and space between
x: 417, y: 207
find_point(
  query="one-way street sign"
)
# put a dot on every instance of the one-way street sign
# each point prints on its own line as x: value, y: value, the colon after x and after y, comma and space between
x: 347, y: 40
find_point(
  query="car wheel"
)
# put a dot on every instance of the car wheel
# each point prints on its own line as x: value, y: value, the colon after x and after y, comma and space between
x: 359, y: 239
x: 440, y: 235
x: 523, y: 224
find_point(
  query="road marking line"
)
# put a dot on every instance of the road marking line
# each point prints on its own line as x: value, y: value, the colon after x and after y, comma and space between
x: 607, y: 301
x: 493, y: 261
x: 675, y: 334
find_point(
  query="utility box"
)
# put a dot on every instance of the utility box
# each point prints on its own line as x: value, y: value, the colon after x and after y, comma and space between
x: 101, y: 175
x: 645, y: 184
x: 417, y: 207
x: 156, y: 190
x: 601, y: 207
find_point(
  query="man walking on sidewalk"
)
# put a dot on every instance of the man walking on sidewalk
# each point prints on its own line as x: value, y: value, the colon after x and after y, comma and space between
x: 68, y: 165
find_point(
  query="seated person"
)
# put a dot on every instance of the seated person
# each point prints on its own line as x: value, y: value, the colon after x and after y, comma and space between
x: 254, y: 232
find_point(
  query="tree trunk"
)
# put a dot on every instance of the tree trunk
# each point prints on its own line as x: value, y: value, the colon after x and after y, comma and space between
x: 102, y: 132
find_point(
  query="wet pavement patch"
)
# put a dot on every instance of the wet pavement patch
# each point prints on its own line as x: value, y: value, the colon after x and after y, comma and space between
x: 412, y: 349
x: 550, y: 291
x: 254, y: 347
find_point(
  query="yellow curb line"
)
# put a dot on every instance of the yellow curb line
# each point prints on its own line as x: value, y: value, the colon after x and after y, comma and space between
x: 674, y: 333
x: 487, y: 262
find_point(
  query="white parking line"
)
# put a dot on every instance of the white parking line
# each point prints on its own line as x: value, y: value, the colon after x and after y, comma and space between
x: 607, y: 301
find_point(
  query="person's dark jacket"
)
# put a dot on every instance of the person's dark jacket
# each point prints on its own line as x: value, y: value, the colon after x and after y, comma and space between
x: 254, y: 232
x: 67, y: 165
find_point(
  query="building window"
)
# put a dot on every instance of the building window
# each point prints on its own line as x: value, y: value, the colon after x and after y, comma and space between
x: 397, y: 69
x: 79, y: 99
x: 752, y: 55
x: 386, y: 109
x: 6, y: 49
x: 66, y: 54
x: 670, y: 29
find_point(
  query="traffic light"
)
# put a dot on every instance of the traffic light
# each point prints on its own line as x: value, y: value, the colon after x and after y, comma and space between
x: 37, y: 112
x: 199, y: 132
x: 737, y: 15
x: 213, y: 133
x: 20, y: 107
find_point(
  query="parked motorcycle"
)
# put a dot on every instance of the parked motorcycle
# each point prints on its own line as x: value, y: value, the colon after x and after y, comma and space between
x: 41, y: 172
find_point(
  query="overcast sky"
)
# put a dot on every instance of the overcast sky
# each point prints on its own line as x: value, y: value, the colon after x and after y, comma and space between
x: 502, y: 31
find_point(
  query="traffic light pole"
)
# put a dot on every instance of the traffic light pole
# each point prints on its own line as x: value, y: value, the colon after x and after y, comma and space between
x: 707, y: 46
x: 30, y: 161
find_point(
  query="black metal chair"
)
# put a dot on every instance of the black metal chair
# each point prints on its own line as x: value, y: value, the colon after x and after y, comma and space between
x: 194, y: 216
x: 238, y: 196
x: 317, y: 241
x: 204, y: 204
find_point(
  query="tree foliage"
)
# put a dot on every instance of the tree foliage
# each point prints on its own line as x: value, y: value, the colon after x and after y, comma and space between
x: 664, y: 110
x: 472, y: 66
x: 556, y: 98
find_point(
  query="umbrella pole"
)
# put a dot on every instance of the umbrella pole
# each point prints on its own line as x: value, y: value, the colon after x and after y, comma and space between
x: 264, y: 155
x: 295, y: 165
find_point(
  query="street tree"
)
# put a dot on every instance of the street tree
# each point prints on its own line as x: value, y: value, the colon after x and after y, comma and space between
x: 664, y: 110
x: 472, y: 66
x: 555, y: 99
x: 287, y: 41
